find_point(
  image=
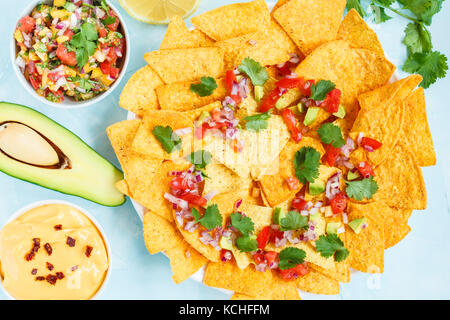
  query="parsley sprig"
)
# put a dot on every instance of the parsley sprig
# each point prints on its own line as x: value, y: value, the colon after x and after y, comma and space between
x: 331, y: 245
x: 211, y: 219
x: 306, y: 164
x: 422, y: 59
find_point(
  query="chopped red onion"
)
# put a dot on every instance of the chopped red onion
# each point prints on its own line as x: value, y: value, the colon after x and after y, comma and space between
x: 237, y: 204
x: 280, y: 242
x: 20, y: 62
x: 368, y: 148
x: 340, y: 230
x: 252, y: 42
x: 210, y: 195
x: 345, y: 218
x: 360, y: 136
x: 183, y: 131
x: 99, y: 12
x: 273, y: 265
x: 313, y: 210
x: 188, y: 254
x: 294, y: 58
x: 191, y: 226
x: 332, y: 187
x: 179, y: 202
x: 261, y: 267
x: 304, y: 213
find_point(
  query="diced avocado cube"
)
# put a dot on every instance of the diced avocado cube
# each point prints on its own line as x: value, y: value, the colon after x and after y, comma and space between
x: 278, y: 214
x: 239, y: 78
x: 301, y: 107
x: 317, y: 187
x: 352, y: 175
x: 340, y: 113
x: 204, y: 115
x: 314, y: 217
x: 357, y: 224
x: 333, y: 227
x: 226, y: 243
x: 281, y: 103
x: 259, y: 93
x: 311, y: 115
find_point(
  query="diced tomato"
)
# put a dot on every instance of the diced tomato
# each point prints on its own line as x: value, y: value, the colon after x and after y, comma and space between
x: 298, y: 204
x: 121, y: 46
x: 194, y: 199
x: 225, y: 255
x: 339, y: 203
x: 263, y: 237
x: 371, y: 143
x: 293, y: 183
x: 230, y: 78
x: 102, y: 32
x: 31, y: 66
x: 69, y: 33
x: 114, y: 72
x: 271, y: 256
x: 35, y: 82
x: 27, y: 24
x: 259, y: 258
x: 288, y: 83
x: 178, y: 183
x: 332, y: 101
x: 276, y: 234
x: 305, y: 86
x: 105, y: 67
x: 270, y: 101
x: 293, y: 273
x: 113, y: 26
x: 54, y: 76
x: 111, y: 56
x: 285, y: 69
x: 67, y: 57
x: 291, y: 123
x: 331, y: 155
x: 365, y: 169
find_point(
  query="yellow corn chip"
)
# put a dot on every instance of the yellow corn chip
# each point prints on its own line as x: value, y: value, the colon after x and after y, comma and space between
x: 400, y: 181
x: 178, y: 36
x: 138, y: 95
x: 178, y: 65
x: 395, y: 234
x: 274, y: 186
x: 233, y: 20
x: 122, y: 186
x: 310, y: 23
x: 193, y: 115
x: 382, y: 115
x: 279, y: 4
x: 146, y: 143
x: 179, y: 97
x: 416, y: 134
x: 354, y: 29
x: 315, y: 282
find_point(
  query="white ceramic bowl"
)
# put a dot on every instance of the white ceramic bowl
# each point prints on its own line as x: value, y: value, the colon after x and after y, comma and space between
x: 67, y: 103
x: 33, y: 205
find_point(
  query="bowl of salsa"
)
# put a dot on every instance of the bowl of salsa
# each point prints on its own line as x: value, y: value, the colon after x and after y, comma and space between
x: 70, y: 53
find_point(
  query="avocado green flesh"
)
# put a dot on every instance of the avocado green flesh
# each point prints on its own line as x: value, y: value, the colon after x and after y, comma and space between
x: 278, y: 215
x: 332, y: 227
x: 311, y: 115
x: 316, y: 188
x: 90, y: 176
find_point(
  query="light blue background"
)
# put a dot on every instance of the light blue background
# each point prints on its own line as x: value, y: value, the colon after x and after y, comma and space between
x: 417, y: 268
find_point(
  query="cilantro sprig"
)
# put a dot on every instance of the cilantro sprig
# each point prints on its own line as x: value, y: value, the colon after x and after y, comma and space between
x: 361, y: 189
x: 200, y: 159
x: 331, y: 245
x: 254, y: 70
x: 257, y: 122
x: 293, y: 221
x: 320, y: 90
x: 242, y: 223
x: 83, y: 43
x: 169, y: 140
x: 306, y: 164
x: 205, y: 88
x: 291, y: 257
x: 211, y: 219
x: 247, y: 243
x: 422, y: 59
x: 330, y: 133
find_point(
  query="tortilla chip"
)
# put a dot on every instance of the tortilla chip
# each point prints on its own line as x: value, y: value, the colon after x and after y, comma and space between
x: 310, y: 23
x: 233, y: 20
x: 262, y: 285
x: 179, y: 97
x: 416, y: 134
x: 146, y: 143
x: 400, y: 181
x: 138, y: 95
x: 178, y: 36
x: 397, y: 233
x: 340, y: 273
x: 274, y: 186
x: 353, y: 70
x: 122, y: 186
x: 193, y: 115
x: 279, y: 4
x: 223, y: 180
x: 179, y: 65
x: 366, y: 248
x: 382, y: 116
x: 355, y: 30
x: 315, y: 282
x: 161, y: 235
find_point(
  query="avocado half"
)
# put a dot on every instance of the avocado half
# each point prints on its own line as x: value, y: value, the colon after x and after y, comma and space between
x: 36, y: 149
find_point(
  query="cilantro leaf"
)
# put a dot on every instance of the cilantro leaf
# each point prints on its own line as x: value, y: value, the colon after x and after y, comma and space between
x: 330, y: 133
x: 291, y: 257
x: 293, y: 221
x: 356, y: 4
x: 417, y: 38
x: 89, y: 32
x: 423, y: 9
x: 331, y: 245
x: 361, y: 189
x: 306, y: 164
x: 200, y: 159
x: 169, y: 140
x: 320, y: 90
x: 83, y: 43
x: 242, y: 223
x: 211, y: 219
x: 380, y: 14
x: 109, y: 20
x: 205, y: 88
x: 257, y: 122
x: 246, y: 244
x: 255, y: 71
x: 430, y: 66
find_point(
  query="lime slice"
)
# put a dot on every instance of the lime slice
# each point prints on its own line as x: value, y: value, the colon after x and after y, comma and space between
x: 159, y: 11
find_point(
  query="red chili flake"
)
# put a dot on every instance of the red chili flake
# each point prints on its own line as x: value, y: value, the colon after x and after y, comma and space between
x: 70, y: 242
x: 58, y: 227
x: 36, y: 245
x: 51, y: 279
x: 74, y: 268
x: 60, y: 275
x: 48, y: 248
x: 49, y: 266
x: 34, y: 271
x: 40, y: 278
x: 88, y: 251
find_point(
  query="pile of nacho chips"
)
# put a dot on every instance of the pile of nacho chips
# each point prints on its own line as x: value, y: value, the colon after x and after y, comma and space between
x: 257, y: 175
